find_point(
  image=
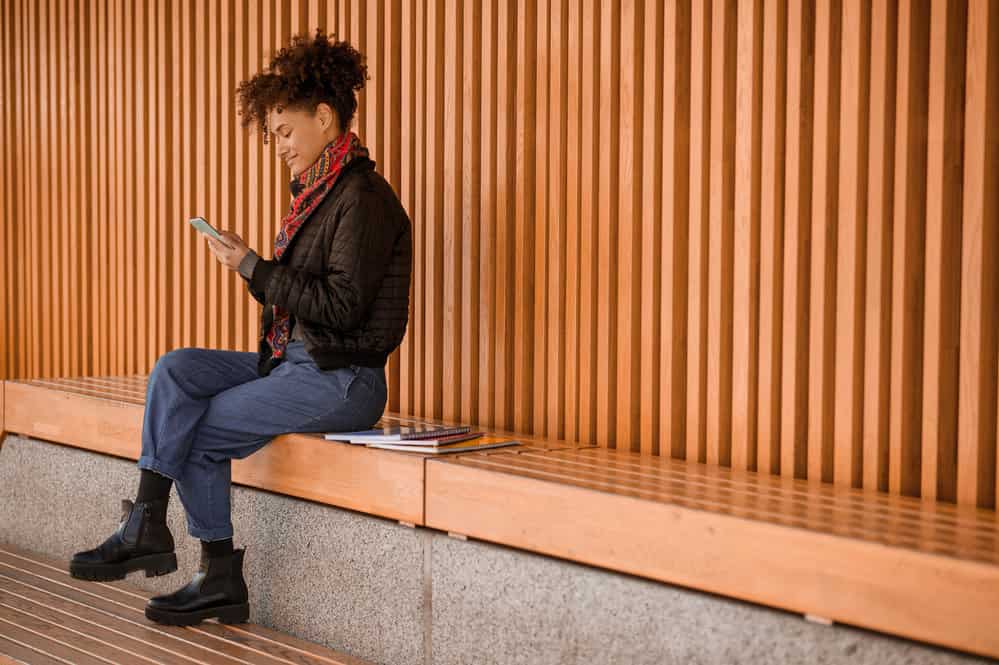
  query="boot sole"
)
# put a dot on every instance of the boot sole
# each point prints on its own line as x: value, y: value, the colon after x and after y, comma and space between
x: 152, y: 564
x: 225, y: 614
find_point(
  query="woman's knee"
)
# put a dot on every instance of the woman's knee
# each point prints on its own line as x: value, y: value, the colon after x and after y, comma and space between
x: 177, y: 359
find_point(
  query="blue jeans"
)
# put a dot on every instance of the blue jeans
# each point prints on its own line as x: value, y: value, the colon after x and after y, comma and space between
x: 205, y: 407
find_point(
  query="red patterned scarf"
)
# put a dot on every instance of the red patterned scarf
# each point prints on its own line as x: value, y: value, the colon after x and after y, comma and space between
x: 310, y: 188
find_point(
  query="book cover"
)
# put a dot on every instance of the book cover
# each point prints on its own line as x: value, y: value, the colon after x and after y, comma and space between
x: 435, y: 441
x: 483, y: 443
x: 397, y: 433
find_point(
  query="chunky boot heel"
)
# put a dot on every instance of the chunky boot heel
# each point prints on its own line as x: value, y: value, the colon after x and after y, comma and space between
x: 235, y: 614
x: 163, y: 565
x: 142, y: 542
x: 217, y: 591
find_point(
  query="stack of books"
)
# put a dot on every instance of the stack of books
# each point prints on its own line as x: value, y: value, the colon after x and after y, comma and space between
x: 422, y: 438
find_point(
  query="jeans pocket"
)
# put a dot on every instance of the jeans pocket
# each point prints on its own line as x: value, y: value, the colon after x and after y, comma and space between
x: 355, y: 371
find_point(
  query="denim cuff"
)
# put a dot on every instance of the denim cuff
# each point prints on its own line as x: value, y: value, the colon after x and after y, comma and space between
x: 153, y: 464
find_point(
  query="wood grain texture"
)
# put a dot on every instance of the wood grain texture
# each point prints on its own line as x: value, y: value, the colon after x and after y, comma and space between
x: 47, y: 615
x: 105, y: 415
x: 977, y: 456
x: 751, y: 233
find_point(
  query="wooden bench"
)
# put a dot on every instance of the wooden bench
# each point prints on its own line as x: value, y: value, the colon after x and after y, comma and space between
x: 46, y: 616
x: 923, y: 570
x: 104, y: 414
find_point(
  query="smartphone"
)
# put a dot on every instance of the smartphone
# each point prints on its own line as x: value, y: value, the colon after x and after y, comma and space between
x: 202, y: 225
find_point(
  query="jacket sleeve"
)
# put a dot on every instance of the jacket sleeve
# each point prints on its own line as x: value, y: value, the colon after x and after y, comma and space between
x: 357, y: 260
x: 246, y: 267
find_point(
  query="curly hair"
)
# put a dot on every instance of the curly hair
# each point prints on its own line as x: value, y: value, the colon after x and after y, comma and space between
x: 303, y: 74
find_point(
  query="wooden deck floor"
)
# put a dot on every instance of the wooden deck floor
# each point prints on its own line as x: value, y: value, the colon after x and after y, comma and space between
x: 46, y: 616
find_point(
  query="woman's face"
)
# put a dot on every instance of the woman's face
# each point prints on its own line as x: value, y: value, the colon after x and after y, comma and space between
x: 300, y: 136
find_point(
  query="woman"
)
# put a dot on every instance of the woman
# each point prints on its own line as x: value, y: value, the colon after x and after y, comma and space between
x: 336, y: 303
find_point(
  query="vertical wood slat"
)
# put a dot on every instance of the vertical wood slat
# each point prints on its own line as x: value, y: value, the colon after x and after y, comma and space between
x: 524, y: 209
x: 117, y: 111
x: 28, y: 116
x: 7, y: 186
x: 945, y: 139
x: 847, y: 379
x: 674, y: 208
x: 700, y: 105
x: 433, y: 318
x: 418, y: 211
x: 650, y: 333
x: 606, y: 220
x: 824, y: 218
x: 627, y: 396
x: 405, y: 392
x: 129, y: 185
x: 569, y: 394
x: 797, y: 240
x: 536, y: 231
x: 392, y: 137
x: 177, y: 268
x: 227, y: 179
x: 589, y: 268
x: 772, y: 140
x: 66, y: 184
x: 186, y: 175
x: 977, y: 458
x: 469, y: 230
x: 720, y: 229
x: 210, y: 119
x: 554, y: 403
x: 908, y: 237
x: 808, y: 295
x: 746, y: 236
x: 164, y: 131
x: 880, y: 204
x: 41, y: 238
x: 451, y: 221
x: 38, y: 194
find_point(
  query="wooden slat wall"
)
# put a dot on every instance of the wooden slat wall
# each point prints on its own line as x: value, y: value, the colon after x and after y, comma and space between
x: 759, y: 234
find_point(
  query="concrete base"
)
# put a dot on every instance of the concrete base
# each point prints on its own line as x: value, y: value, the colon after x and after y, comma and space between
x: 397, y: 595
x: 336, y: 577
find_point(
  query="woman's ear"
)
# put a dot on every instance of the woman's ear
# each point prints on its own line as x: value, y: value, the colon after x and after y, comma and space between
x: 327, y: 117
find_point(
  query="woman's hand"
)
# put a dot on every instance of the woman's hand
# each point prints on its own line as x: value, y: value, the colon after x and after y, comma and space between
x: 228, y: 256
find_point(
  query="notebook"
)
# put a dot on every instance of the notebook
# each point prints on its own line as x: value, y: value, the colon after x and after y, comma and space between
x: 397, y: 433
x: 434, y: 441
x: 482, y: 443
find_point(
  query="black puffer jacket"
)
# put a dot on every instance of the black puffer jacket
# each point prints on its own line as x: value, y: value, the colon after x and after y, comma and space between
x: 345, y: 276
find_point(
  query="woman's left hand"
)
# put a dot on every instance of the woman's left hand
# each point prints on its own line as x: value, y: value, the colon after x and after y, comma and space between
x: 230, y: 258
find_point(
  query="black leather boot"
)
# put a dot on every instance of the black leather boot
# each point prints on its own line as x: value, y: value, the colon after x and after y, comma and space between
x: 217, y: 590
x: 142, y: 542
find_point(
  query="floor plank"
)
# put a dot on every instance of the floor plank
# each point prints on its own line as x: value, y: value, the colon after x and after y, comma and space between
x: 46, y: 616
x: 18, y: 654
